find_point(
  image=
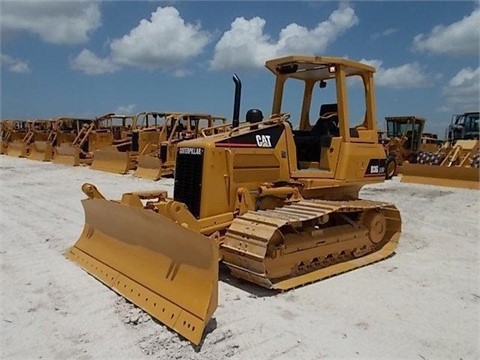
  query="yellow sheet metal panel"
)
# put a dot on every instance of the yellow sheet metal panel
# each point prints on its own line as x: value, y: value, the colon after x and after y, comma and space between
x: 166, y: 269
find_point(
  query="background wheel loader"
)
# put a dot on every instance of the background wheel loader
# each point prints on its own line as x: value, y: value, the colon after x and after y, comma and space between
x: 158, y: 159
x: 279, y: 207
x: 456, y: 163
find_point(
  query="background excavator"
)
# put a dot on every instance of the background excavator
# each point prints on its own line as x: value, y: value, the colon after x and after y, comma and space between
x: 279, y: 207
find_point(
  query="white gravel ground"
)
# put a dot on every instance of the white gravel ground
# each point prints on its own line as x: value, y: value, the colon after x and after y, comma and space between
x: 423, y: 303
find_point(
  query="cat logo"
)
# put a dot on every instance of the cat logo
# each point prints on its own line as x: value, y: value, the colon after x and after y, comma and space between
x: 263, y: 141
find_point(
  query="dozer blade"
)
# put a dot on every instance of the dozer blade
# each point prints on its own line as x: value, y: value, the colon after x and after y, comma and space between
x: 148, y: 167
x: 166, y: 269
x: 451, y: 176
x: 41, y: 151
x: 111, y: 160
x: 67, y: 154
x: 17, y: 148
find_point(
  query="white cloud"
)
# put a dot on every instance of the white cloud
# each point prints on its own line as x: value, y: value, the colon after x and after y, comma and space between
x: 125, y: 109
x: 460, y: 38
x: 408, y: 75
x: 384, y: 33
x: 181, y: 73
x: 463, y: 91
x: 163, y: 42
x: 246, y: 45
x: 58, y: 22
x: 13, y: 64
x: 91, y: 64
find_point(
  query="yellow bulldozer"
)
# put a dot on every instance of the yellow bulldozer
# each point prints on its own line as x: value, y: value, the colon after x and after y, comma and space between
x: 119, y: 129
x: 25, y: 134
x: 61, y: 133
x: 91, y: 135
x: 456, y: 163
x: 121, y: 156
x: 279, y: 207
x: 7, y: 134
x: 157, y: 159
x: 42, y: 149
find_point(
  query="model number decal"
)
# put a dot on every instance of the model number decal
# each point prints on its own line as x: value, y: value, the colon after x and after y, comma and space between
x: 263, y: 141
x: 375, y: 167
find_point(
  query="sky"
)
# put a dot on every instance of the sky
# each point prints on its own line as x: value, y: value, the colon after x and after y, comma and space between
x: 87, y: 58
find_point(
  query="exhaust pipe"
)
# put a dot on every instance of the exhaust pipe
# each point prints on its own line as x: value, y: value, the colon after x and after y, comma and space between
x: 236, y: 102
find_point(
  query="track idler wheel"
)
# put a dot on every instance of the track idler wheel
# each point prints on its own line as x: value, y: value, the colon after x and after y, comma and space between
x: 377, y: 226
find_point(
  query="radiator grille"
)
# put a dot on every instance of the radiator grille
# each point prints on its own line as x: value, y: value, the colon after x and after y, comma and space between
x: 163, y: 153
x: 188, y: 180
x: 135, y: 136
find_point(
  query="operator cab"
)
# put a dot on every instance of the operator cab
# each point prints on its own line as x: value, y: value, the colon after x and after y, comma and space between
x: 342, y: 90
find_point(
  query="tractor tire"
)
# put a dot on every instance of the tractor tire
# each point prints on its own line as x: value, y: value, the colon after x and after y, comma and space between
x: 390, y: 167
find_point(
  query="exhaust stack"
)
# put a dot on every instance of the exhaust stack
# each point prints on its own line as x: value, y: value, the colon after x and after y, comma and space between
x: 236, y: 103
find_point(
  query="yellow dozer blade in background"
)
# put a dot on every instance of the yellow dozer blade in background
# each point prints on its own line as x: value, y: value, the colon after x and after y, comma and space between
x: 149, y: 167
x: 109, y: 159
x: 459, y: 167
x: 41, y: 151
x: 166, y: 269
x: 67, y: 154
x: 17, y: 148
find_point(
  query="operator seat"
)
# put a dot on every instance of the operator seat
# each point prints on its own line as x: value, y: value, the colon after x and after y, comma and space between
x: 327, y: 123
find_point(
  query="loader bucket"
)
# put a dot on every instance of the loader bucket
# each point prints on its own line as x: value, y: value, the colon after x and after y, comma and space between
x: 41, y: 151
x: 148, y: 167
x: 451, y: 176
x: 164, y: 268
x: 67, y: 154
x: 17, y: 148
x: 109, y: 159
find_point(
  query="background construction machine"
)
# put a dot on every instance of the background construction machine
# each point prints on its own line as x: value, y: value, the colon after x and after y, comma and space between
x: 404, y: 134
x: 456, y: 163
x: 42, y: 149
x: 7, y: 134
x: 278, y: 206
x: 25, y: 134
x: 463, y: 127
x: 120, y: 157
x: 158, y: 159
x: 91, y: 135
x: 119, y: 129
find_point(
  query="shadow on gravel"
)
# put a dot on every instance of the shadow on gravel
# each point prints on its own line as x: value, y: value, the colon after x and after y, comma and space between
x: 253, y: 289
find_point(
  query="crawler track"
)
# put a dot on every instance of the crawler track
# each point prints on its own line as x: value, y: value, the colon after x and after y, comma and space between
x: 309, y: 240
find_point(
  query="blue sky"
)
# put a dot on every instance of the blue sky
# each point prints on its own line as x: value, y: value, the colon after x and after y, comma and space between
x: 86, y: 58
